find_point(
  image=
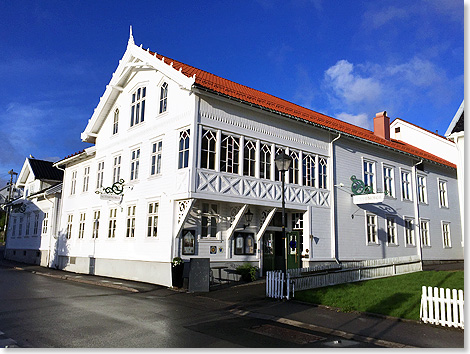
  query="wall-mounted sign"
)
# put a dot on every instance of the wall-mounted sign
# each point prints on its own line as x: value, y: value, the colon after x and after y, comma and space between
x: 358, y: 187
x: 111, y: 197
x: 116, y: 189
x: 213, y: 250
x: 368, y: 198
x: 188, y: 241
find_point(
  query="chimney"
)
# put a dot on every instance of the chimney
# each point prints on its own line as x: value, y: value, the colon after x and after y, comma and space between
x: 382, y: 125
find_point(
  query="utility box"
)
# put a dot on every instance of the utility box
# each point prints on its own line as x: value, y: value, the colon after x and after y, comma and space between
x: 199, y: 269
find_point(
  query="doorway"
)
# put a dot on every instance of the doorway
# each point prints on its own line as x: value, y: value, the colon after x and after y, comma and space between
x: 274, y: 250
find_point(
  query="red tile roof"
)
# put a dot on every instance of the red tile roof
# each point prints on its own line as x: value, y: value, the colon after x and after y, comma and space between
x: 232, y: 89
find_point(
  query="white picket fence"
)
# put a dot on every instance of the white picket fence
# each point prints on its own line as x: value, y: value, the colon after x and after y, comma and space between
x: 443, y: 307
x: 276, y: 283
x: 280, y: 286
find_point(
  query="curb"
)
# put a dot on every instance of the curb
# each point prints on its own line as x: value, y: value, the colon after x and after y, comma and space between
x: 78, y: 280
x: 328, y: 331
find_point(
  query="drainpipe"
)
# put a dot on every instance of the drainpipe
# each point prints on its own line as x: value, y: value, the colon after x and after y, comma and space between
x: 334, y: 251
x: 417, y: 226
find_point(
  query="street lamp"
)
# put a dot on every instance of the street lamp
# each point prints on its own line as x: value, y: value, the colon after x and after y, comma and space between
x: 283, y: 162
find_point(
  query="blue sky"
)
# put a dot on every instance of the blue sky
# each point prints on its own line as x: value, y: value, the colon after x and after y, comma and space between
x: 346, y: 59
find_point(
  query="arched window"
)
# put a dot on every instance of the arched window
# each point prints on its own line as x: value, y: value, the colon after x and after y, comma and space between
x: 163, y: 97
x: 116, y: 121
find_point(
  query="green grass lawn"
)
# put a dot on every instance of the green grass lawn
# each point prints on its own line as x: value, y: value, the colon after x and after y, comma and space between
x: 398, y: 296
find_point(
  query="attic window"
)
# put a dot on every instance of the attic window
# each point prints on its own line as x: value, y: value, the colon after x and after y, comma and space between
x: 116, y: 121
x: 138, y: 106
x: 397, y: 130
x: 163, y: 97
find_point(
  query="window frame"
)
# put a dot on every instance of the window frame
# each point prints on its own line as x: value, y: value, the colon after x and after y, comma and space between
x: 152, y: 215
x: 81, y: 225
x: 421, y: 189
x: 100, y: 175
x: 369, y: 177
x: 249, y: 158
x: 409, y: 231
x: 96, y: 224
x: 309, y: 164
x: 443, y: 195
x: 406, y: 193
x: 116, y: 168
x: 68, y: 233
x: 208, y: 149
x: 392, y: 238
x: 426, y: 229
x: 138, y: 97
x: 244, y: 236
x: 184, y: 140
x: 209, y: 222
x: 156, y: 158
x: 134, y: 164
x: 112, y: 223
x: 163, y: 107
x: 446, y: 234
x: 322, y: 172
x: 44, y: 224
x: 73, y: 182
x: 116, y: 121
x: 86, y: 178
x: 372, y: 238
x: 294, y: 168
x: 265, y: 158
x: 389, y: 180
x: 130, y: 221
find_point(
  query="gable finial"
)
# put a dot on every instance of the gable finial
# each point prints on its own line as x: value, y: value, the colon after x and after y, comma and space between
x: 131, y: 37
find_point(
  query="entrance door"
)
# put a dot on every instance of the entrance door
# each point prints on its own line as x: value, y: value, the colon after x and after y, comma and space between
x: 273, y: 251
x: 294, y: 250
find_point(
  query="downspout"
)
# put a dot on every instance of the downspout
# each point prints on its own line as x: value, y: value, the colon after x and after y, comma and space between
x: 416, y: 212
x: 334, y: 251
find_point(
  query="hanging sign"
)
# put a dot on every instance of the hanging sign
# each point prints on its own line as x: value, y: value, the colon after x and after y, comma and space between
x: 111, y: 197
x: 368, y: 198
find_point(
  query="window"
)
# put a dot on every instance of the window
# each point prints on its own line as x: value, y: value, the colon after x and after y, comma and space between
x: 135, y: 157
x: 265, y: 161
x: 424, y: 229
x: 152, y: 220
x: 28, y: 223
x: 112, y: 223
x: 443, y: 202
x: 99, y: 178
x: 13, y: 228
x: 36, y: 224
x: 156, y: 159
x: 369, y: 174
x: 20, y: 227
x: 69, y: 226
x: 446, y: 234
x: 308, y: 169
x: 183, y: 156
x: 371, y: 229
x: 277, y: 173
x: 138, y: 106
x: 389, y: 184
x: 86, y: 179
x: 130, y: 221
x: 297, y: 221
x: 96, y: 223
x: 116, y: 169
x: 81, y: 225
x: 209, y: 220
x: 163, y: 97
x: 422, y: 195
x: 249, y: 158
x: 294, y: 167
x: 405, y: 185
x: 116, y: 121
x: 391, y: 231
x: 208, y: 149
x: 244, y: 244
x: 73, y: 183
x: 230, y: 147
x: 409, y: 232
x: 322, y: 172
x: 45, y: 221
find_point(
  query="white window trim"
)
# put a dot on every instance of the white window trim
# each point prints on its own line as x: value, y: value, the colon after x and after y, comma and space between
x: 421, y: 220
x: 413, y: 233
x: 410, y: 185
x: 394, y: 189
x: 443, y: 222
x: 152, y: 215
x: 133, y: 176
x: 209, y: 215
x: 376, y: 242
x: 446, y: 184
x: 425, y: 187
x: 156, y: 153
x: 394, y: 217
x: 374, y: 171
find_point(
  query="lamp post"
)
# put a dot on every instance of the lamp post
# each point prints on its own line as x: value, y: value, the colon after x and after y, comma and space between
x: 283, y: 162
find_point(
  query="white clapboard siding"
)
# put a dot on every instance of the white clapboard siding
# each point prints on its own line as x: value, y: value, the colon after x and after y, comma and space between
x: 443, y: 307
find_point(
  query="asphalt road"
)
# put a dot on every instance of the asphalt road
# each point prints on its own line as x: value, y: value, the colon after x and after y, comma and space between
x: 43, y: 312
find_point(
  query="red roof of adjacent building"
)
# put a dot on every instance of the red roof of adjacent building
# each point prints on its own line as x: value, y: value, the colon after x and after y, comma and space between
x: 264, y: 100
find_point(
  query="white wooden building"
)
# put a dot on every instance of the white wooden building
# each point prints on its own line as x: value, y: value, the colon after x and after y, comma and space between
x: 182, y: 164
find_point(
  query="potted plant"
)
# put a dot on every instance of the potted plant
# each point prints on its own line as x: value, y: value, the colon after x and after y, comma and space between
x: 177, y: 267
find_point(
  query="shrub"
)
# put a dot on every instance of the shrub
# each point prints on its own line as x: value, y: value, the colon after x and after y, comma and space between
x: 248, y: 272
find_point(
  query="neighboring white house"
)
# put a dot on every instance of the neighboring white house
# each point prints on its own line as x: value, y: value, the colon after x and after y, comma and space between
x: 34, y: 216
x: 455, y: 132
x: 183, y: 164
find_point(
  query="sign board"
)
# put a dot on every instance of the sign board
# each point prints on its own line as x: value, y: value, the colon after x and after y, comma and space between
x: 111, y: 197
x: 368, y: 198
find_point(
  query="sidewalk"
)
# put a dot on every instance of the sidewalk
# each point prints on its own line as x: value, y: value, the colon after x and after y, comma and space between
x: 249, y: 300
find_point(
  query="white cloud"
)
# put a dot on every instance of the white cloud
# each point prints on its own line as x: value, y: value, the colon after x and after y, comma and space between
x: 361, y: 120
x: 351, y: 86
